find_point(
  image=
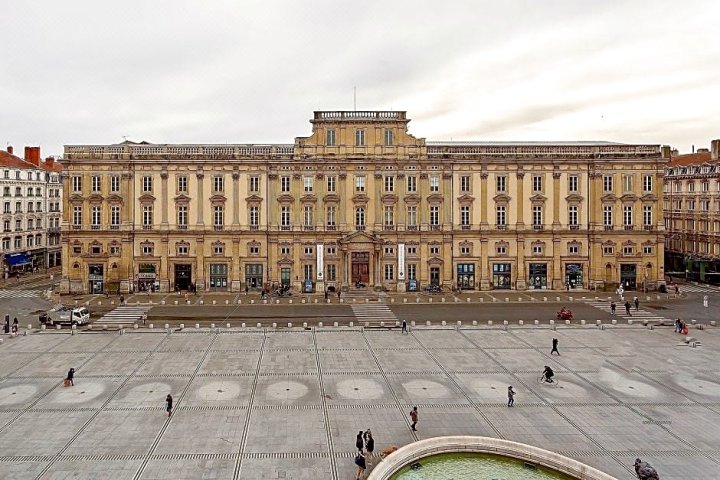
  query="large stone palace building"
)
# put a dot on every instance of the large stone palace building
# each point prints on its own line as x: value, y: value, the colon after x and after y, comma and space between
x: 362, y: 200
x: 692, y: 214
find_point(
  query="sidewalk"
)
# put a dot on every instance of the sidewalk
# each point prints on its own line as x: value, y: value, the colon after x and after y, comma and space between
x: 29, y: 277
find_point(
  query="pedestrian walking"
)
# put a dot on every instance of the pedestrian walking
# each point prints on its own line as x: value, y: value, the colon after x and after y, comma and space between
x: 511, y: 396
x: 369, y: 446
x: 360, y: 462
x: 339, y: 293
x: 359, y: 443
x: 404, y: 327
x: 326, y: 295
x: 677, y: 289
x: 169, y: 404
x: 567, y: 286
x: 414, y: 418
x: 612, y: 308
x: 627, y: 308
x: 555, y: 349
x: 636, y: 301
x: 71, y: 377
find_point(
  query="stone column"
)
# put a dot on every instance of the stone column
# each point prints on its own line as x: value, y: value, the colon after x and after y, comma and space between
x: 126, y: 191
x: 199, y: 271
x: 520, y: 280
x: 484, y: 200
x: 164, y: 200
x: 344, y: 203
x: 236, y: 200
x: 200, y: 176
x: 235, y: 282
x: 558, y: 282
x: 556, y: 223
x: 484, y: 265
x: 448, y: 202
x: 376, y: 203
x: 520, y: 201
x: 162, y: 272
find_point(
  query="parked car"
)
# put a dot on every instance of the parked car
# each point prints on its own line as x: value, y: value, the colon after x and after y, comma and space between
x: 62, y: 315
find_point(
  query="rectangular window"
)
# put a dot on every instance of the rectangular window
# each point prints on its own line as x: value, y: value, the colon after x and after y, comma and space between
x: 360, y: 184
x: 331, y: 184
x: 647, y: 183
x: 147, y: 249
x: 182, y: 249
x: 308, y: 184
x: 331, y: 272
x: 691, y: 187
x: 389, y: 271
x: 388, y: 137
x: 627, y: 250
x: 285, y: 216
x: 537, y: 215
x: 501, y: 183
x: 607, y: 215
x: 411, y: 270
x: 465, y: 215
x: 18, y: 207
x: 412, y: 215
x: 254, y: 186
x: 95, y: 217
x: 95, y: 183
x: 147, y: 215
x: 627, y: 215
x: 254, y: 216
x: 537, y: 249
x: 182, y: 216
x: 218, y: 215
x: 307, y: 215
x: 182, y: 184
x: 627, y: 183
x: 360, y: 137
x: 285, y: 184
x: 608, y: 250
x: 389, y: 184
x: 284, y: 250
x: 330, y: 215
x: 705, y: 186
x: 77, y: 184
x: 573, y: 248
x: 607, y: 183
x: 218, y: 183
x: 573, y: 183
x: 389, y: 215
x: 18, y: 243
x: 330, y: 137
x: 77, y: 215
x: 434, y: 183
x: 647, y: 250
x: 360, y: 217
x: 537, y: 183
x: 465, y: 183
x: 500, y: 219
x: 114, y: 215
x: 411, y: 184
x: 573, y: 215
x: 147, y: 184
x: 308, y: 272
x: 647, y: 215
x: 434, y: 215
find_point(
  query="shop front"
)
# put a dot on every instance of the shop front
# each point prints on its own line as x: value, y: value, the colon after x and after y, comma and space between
x: 183, y: 276
x: 628, y: 276
x: 147, y: 277
x: 254, y: 275
x: 466, y: 276
x: 573, y: 275
x: 502, y: 273
x: 96, y: 278
x: 218, y: 276
x: 285, y: 274
x: 537, y: 276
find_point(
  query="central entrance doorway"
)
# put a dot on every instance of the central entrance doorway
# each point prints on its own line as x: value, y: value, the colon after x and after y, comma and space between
x: 183, y: 274
x: 360, y: 267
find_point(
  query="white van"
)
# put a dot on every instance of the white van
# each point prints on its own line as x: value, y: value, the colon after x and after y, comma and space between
x: 61, y: 315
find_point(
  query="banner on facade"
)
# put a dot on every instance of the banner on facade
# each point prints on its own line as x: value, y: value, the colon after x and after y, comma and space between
x: 320, y: 266
x: 401, y: 261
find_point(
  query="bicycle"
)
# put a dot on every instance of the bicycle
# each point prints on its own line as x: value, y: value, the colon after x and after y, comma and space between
x: 555, y: 382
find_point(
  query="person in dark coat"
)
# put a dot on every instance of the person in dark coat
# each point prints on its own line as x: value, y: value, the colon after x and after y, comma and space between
x: 359, y: 443
x: 627, y: 308
x: 555, y: 349
x: 169, y: 404
x: 71, y: 376
x: 369, y: 446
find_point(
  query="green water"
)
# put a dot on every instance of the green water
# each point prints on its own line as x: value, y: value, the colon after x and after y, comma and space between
x: 475, y: 466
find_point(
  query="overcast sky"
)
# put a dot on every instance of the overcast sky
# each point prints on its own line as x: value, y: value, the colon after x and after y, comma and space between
x: 253, y: 71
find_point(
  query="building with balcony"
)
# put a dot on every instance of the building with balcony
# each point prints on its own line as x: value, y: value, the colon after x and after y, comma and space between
x: 362, y: 200
x: 692, y: 215
x: 31, y: 211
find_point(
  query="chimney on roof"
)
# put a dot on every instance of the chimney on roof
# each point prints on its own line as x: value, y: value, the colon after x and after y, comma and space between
x: 715, y: 150
x: 675, y: 152
x: 693, y: 149
x: 32, y: 155
x: 10, y: 149
x: 702, y: 150
x: 49, y: 162
x: 666, y: 151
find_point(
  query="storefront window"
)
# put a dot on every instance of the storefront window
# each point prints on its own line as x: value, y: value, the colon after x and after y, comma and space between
x: 466, y: 276
x: 502, y: 273
x: 573, y: 275
x: 218, y: 276
x: 538, y: 275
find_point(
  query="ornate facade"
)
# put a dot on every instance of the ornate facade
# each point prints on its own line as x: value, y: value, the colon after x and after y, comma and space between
x: 692, y: 214
x: 362, y: 200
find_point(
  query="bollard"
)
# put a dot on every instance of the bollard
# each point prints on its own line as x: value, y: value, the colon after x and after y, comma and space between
x: 404, y: 300
x: 520, y: 322
x: 99, y: 303
x: 467, y: 299
x: 227, y: 302
x: 265, y: 301
x: 482, y: 299
x: 112, y: 302
x: 239, y: 302
x: 167, y: 326
x: 176, y: 302
x: 197, y: 325
x: 382, y: 324
x: 151, y: 326
x: 630, y: 321
x: 201, y: 302
x: 430, y: 300
x: 274, y: 325
x: 713, y: 323
x: 228, y: 325
x: 647, y: 298
x: 598, y: 322
x: 162, y: 302
x: 505, y: 322
x: 552, y: 322
x: 351, y: 324
x: 442, y: 300
x: 507, y: 299
x: 277, y: 302
x: 336, y: 324
x: 459, y: 323
x: 412, y: 323
x: 252, y: 302
x: 289, y: 324
x: 290, y: 301
x: 182, y: 326
x: 104, y: 327
x: 567, y: 322
x: 135, y: 326
x: 187, y: 302
x: 304, y: 324
x: 614, y: 322
x: 444, y: 323
x: 474, y: 323
x: 417, y: 299
x: 58, y: 327
x: 316, y: 300
x: 456, y: 299
x: 212, y: 325
x: 490, y: 322
x: 342, y: 300
x: 494, y: 299
x: 582, y: 322
x: 42, y: 327
x: 651, y: 326
x: 214, y: 302
x: 557, y: 299
x: 544, y: 299
x: 536, y: 322
x: 428, y: 323
x: 320, y: 324
x: 29, y: 326
x: 570, y: 299
x: 303, y: 300
x: 597, y: 299
x: 259, y: 325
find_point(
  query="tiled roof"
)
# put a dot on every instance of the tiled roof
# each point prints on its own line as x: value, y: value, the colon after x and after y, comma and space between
x: 690, y: 159
x: 11, y: 161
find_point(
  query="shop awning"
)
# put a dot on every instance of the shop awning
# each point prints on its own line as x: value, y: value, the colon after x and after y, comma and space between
x: 17, y: 259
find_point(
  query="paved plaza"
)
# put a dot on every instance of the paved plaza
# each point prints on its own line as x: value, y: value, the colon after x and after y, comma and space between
x: 287, y: 404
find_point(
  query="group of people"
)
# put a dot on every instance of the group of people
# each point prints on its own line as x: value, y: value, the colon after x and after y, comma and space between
x: 627, y: 305
x: 681, y: 327
x: 365, y: 444
x: 8, y: 328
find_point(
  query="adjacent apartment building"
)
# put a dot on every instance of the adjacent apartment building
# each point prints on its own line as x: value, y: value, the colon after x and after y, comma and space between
x: 31, y: 211
x: 361, y: 200
x: 692, y: 215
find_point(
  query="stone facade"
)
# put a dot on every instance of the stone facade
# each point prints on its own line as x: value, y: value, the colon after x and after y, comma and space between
x: 692, y: 214
x: 362, y: 200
